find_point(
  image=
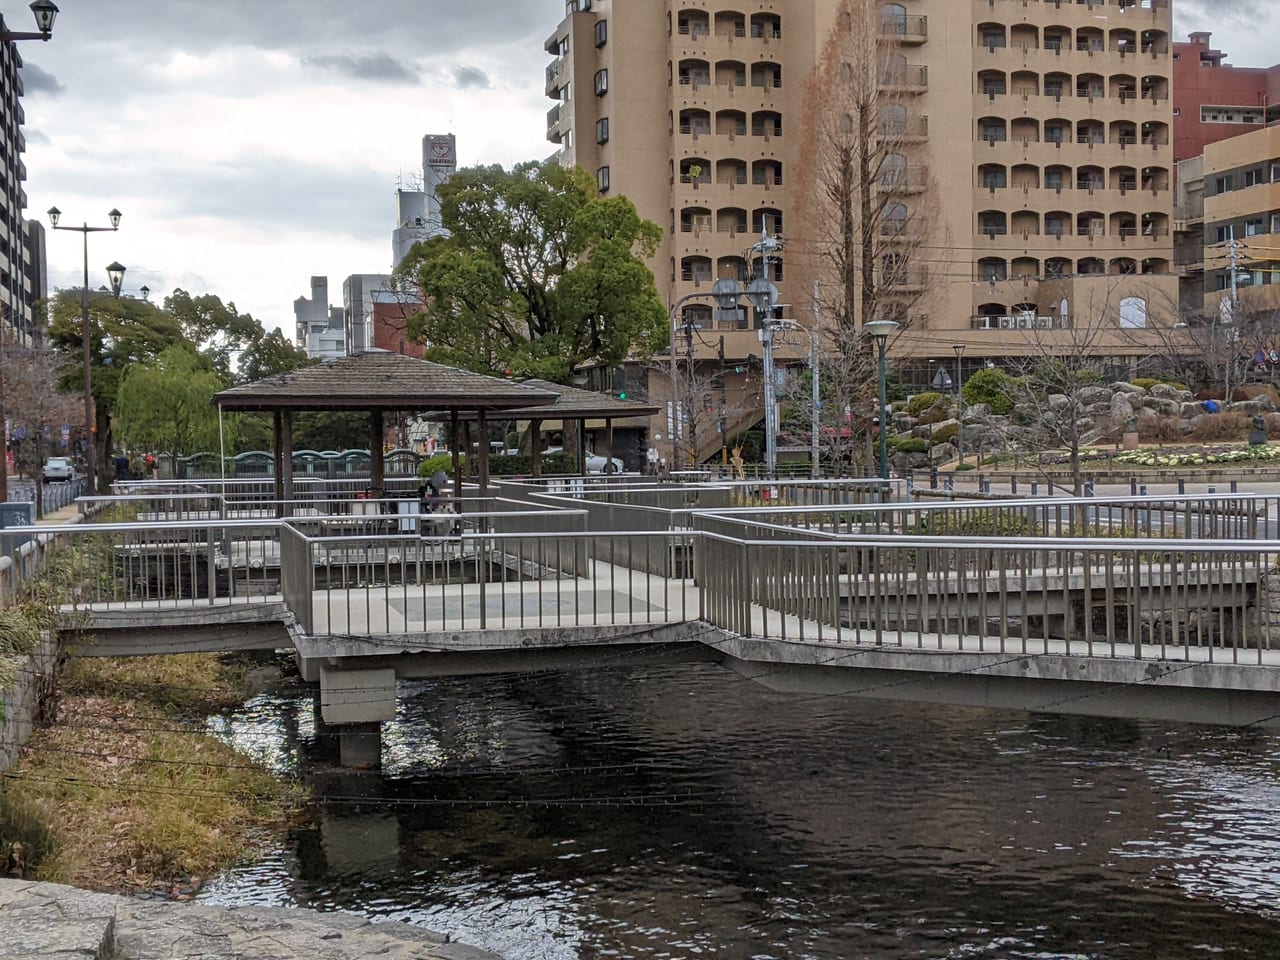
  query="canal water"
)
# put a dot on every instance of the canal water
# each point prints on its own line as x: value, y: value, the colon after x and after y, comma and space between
x: 680, y: 811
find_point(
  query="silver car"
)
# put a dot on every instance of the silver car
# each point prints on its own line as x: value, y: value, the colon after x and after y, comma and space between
x: 59, y: 470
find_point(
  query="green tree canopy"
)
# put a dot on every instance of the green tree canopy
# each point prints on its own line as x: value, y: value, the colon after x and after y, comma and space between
x: 537, y: 275
x: 165, y: 405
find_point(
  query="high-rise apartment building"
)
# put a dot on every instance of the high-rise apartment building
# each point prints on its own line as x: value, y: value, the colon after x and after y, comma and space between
x: 1213, y: 100
x: 22, y: 253
x: 1039, y: 137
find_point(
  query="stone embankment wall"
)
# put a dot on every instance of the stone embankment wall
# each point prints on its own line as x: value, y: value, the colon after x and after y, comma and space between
x: 22, y: 699
x: 44, y: 921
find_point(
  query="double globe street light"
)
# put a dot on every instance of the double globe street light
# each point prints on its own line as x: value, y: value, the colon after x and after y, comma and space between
x: 115, y: 273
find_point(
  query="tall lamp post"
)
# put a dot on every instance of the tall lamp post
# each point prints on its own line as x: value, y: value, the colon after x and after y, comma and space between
x: 880, y: 331
x: 115, y: 272
x: 959, y: 349
x: 45, y: 12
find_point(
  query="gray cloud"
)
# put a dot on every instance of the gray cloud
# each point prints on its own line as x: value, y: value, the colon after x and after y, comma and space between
x: 374, y: 67
x: 471, y: 78
x: 1238, y: 11
x: 36, y: 136
x: 36, y: 80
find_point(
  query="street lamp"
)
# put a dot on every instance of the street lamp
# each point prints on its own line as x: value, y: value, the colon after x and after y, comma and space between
x: 959, y: 349
x: 880, y: 331
x: 45, y: 13
x: 115, y: 273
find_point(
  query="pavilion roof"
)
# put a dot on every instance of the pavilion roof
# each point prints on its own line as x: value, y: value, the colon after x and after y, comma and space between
x: 574, y: 403
x: 381, y: 380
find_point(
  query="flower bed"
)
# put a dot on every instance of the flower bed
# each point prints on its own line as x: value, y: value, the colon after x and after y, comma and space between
x: 1199, y: 456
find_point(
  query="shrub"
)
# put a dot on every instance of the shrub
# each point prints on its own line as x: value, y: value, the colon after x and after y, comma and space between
x: 1146, y: 383
x: 440, y: 463
x: 922, y: 402
x: 909, y: 444
x: 993, y: 387
x: 976, y: 523
x: 1220, y: 428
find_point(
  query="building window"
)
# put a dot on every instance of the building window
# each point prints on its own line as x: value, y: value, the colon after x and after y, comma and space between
x: 1222, y: 185
x: 602, y: 179
x: 602, y: 130
x: 1253, y: 178
x: 602, y: 32
x: 602, y: 82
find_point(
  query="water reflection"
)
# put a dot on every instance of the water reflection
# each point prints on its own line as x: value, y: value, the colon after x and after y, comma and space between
x: 682, y: 811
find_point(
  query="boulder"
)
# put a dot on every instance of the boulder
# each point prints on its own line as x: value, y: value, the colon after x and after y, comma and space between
x: 1164, y: 391
x: 1058, y: 402
x: 1128, y: 388
x: 1248, y: 407
x: 1121, y: 406
x: 1095, y: 395
x: 1190, y: 410
x: 979, y: 411
x: 1169, y: 408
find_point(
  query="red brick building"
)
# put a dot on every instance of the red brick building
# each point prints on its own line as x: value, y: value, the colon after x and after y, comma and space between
x: 1213, y: 100
x: 390, y: 322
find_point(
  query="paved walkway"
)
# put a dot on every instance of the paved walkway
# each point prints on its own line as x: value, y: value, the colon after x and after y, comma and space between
x: 44, y: 921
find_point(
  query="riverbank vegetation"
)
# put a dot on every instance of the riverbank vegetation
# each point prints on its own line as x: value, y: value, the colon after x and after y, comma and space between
x: 126, y: 792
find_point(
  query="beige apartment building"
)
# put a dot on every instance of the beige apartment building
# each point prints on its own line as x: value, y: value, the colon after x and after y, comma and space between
x: 1042, y: 128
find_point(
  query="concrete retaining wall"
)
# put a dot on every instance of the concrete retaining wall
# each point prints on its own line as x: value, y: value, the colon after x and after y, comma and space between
x: 21, y: 701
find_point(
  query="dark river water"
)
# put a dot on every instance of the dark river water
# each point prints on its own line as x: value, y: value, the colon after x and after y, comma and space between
x: 676, y: 811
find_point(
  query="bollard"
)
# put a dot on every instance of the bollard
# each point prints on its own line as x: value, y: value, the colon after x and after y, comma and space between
x: 1013, y: 485
x: 1143, y: 489
x: 984, y: 485
x: 1234, y: 488
x: 933, y: 478
x: 1088, y: 487
x: 1133, y: 486
x: 1182, y: 486
x: 949, y: 482
x: 1213, y: 489
x: 1035, y: 488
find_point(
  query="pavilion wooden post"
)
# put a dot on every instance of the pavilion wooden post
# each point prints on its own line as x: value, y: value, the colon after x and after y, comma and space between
x: 582, y: 448
x: 484, y: 452
x: 535, y: 440
x: 608, y: 445
x: 457, y: 458
x: 466, y: 439
x: 277, y: 461
x: 286, y: 479
x: 377, y: 468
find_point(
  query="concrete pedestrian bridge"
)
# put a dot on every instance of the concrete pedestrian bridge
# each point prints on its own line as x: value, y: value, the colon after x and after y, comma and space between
x: 1126, y: 607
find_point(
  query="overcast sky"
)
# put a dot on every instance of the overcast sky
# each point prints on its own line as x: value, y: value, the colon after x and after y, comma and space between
x: 252, y: 144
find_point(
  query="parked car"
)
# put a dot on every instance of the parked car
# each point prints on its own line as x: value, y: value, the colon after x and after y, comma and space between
x: 59, y: 470
x: 595, y: 462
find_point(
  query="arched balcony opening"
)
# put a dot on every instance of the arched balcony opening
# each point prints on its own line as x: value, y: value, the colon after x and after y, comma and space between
x: 766, y: 75
x: 767, y: 220
x: 1122, y: 266
x: 1024, y: 84
x: 993, y: 36
x: 1091, y: 86
x: 1025, y: 130
x: 766, y: 173
x: 695, y: 220
x: 1124, y: 179
x: 695, y: 171
x: 993, y: 269
x: 992, y: 83
x: 1155, y: 179
x: 731, y: 171
x: 1024, y: 36
x: 1024, y: 177
x: 1154, y: 42
x: 993, y: 129
x: 733, y: 221
x: 766, y: 123
x: 1155, y: 225
x: 766, y: 26
x: 1057, y: 85
x: 731, y: 73
x: 1058, y: 131
x: 1057, y: 268
x: 696, y: 269
x: 1123, y: 87
x: 1091, y: 267
x: 1091, y: 132
x: 693, y: 24
x: 696, y: 123
x: 694, y: 74
x: 696, y: 316
x: 1091, y: 178
x: 1124, y: 42
x: 1091, y: 223
x: 893, y: 171
x: 1090, y: 40
x: 731, y: 123
x: 893, y: 20
x: 731, y: 268
x: 1057, y: 38
x: 1155, y: 133
x: 1025, y: 269
x: 1057, y: 178
x: 1156, y: 266
x: 1155, y: 88
x: 730, y: 24
x: 1058, y: 223
x: 993, y: 223
x: 893, y: 219
x: 993, y: 176
x: 1124, y: 132
x: 1025, y: 224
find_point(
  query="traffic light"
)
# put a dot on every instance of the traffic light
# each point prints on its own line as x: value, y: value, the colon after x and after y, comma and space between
x: 622, y: 394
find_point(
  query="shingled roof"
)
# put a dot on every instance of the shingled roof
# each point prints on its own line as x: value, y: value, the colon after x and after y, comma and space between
x: 574, y: 403
x: 381, y: 380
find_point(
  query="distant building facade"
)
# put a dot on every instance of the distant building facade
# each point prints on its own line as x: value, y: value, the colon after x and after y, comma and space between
x: 23, y: 266
x: 1213, y: 100
x: 320, y: 328
x: 418, y: 211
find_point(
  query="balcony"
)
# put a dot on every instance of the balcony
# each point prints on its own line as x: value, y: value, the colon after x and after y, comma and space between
x: 1017, y: 321
x: 553, y: 124
x: 905, y: 29
x: 556, y: 72
x: 908, y: 79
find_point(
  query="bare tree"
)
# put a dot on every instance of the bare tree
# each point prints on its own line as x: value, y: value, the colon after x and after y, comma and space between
x: 34, y: 402
x: 866, y: 203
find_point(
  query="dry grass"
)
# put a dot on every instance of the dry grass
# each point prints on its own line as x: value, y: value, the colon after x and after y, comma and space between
x: 185, y: 684
x: 120, y: 795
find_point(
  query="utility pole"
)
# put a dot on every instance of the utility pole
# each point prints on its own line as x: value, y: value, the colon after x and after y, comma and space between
x: 815, y: 446
x: 1233, y: 256
x: 763, y: 296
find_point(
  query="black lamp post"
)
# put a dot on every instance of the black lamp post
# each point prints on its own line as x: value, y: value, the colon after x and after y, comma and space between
x: 115, y: 273
x: 959, y: 349
x: 45, y: 12
x: 880, y: 331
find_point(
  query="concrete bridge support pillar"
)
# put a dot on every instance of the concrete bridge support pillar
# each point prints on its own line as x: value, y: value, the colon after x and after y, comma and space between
x: 358, y: 702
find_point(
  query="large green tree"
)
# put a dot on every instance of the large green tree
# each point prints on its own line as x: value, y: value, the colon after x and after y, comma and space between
x: 165, y: 405
x: 538, y: 274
